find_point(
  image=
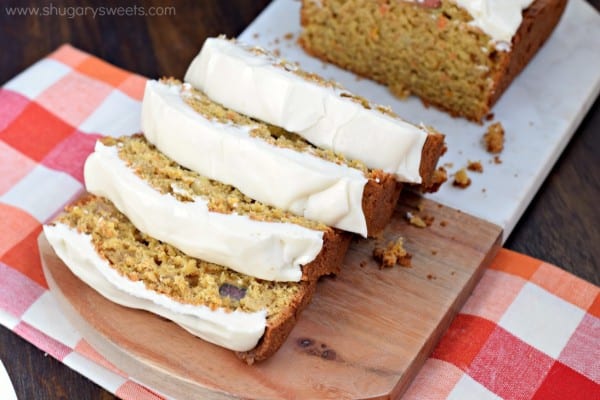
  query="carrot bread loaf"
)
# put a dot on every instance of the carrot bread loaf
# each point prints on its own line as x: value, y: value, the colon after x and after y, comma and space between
x: 266, y: 163
x: 254, y: 82
x: 458, y: 55
x: 250, y: 316
x: 207, y: 219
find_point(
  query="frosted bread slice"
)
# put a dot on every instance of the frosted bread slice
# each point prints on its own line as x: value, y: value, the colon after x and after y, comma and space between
x: 254, y: 82
x: 250, y: 316
x: 207, y: 219
x: 266, y: 163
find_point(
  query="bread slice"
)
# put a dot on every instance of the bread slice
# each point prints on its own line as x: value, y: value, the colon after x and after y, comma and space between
x: 248, y: 315
x: 254, y: 82
x: 266, y: 163
x: 458, y: 60
x: 207, y: 219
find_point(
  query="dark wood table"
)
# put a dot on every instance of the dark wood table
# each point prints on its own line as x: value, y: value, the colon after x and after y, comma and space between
x: 560, y: 226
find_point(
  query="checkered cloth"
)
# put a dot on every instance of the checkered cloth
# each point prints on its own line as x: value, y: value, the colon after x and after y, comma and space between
x: 530, y: 330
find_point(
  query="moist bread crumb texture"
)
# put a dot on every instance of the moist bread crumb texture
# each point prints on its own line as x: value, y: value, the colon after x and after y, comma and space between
x: 168, y: 177
x: 164, y: 269
x: 428, y: 49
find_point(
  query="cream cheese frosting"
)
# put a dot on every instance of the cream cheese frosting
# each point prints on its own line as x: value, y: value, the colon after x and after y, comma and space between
x: 256, y: 84
x: 500, y: 19
x: 298, y: 182
x: 265, y: 250
x: 236, y: 330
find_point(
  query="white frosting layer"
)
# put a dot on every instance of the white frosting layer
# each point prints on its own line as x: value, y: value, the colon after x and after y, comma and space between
x: 500, y: 19
x: 266, y: 250
x: 249, y: 83
x: 299, y: 182
x: 235, y: 330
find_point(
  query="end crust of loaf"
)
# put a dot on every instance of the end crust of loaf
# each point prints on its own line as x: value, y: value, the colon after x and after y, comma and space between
x: 279, y: 328
x: 379, y: 201
x: 539, y: 20
x: 329, y: 260
x: 433, y: 149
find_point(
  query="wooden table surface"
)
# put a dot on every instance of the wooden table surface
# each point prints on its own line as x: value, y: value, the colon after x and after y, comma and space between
x: 560, y: 226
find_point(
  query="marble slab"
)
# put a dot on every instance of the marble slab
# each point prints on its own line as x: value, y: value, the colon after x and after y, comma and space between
x: 540, y: 111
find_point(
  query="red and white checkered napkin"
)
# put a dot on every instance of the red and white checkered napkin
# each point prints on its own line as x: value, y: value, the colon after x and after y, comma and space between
x: 530, y: 330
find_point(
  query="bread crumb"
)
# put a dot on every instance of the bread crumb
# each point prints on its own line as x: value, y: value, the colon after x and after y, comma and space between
x: 452, y: 273
x: 276, y: 53
x: 449, y: 165
x: 494, y: 138
x: 475, y: 166
x: 483, y: 190
x: 362, y: 264
x: 440, y: 176
x: 497, y: 160
x: 392, y: 254
x: 428, y: 219
x: 489, y: 117
x: 443, y: 224
x: 434, y: 252
x: 431, y: 277
x: 288, y: 36
x: 400, y: 91
x: 461, y: 179
x: 415, y: 220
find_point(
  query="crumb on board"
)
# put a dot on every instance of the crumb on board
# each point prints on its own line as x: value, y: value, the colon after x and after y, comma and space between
x: 277, y: 52
x: 415, y: 220
x: 428, y: 219
x: 434, y: 252
x: 475, y: 166
x: 483, y: 190
x: 461, y: 179
x: 362, y: 264
x: 452, y: 273
x: 449, y: 165
x: 392, y: 254
x: 494, y: 138
x: 431, y: 277
x: 288, y: 36
x: 489, y: 117
x: 443, y: 223
x: 497, y: 160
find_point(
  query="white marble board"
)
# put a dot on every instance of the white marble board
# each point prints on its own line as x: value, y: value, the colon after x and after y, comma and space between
x: 540, y: 111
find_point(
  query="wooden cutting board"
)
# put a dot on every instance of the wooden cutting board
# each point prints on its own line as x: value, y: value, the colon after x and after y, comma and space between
x: 366, y: 333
